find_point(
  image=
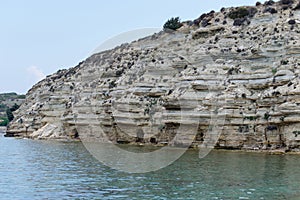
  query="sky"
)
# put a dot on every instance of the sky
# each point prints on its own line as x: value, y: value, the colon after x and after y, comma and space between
x: 37, y: 38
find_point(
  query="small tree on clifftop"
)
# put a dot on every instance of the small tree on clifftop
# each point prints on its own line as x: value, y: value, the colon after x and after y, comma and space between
x: 173, y: 24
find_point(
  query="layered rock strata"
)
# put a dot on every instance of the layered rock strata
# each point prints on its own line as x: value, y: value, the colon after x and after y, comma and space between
x: 234, y: 72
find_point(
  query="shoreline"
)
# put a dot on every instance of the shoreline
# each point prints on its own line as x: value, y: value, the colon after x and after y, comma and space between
x: 269, y: 152
x: 279, y: 151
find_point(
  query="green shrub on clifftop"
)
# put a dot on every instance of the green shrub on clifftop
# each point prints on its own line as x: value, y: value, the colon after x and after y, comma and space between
x: 239, y: 13
x: 173, y: 24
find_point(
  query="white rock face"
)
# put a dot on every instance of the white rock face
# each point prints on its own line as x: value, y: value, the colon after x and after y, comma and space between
x: 162, y: 87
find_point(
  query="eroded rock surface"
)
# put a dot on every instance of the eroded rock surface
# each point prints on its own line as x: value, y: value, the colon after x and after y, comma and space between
x: 243, y: 68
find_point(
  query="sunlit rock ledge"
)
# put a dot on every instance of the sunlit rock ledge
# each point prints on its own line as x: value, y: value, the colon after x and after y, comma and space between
x: 169, y: 88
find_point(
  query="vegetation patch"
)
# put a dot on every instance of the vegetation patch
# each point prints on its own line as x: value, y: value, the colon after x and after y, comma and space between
x: 284, y: 62
x: 296, y: 133
x: 267, y: 116
x: 239, y: 13
x: 173, y: 24
x: 251, y: 118
x: 286, y: 2
x: 269, y: 3
x: 9, y: 102
x: 3, y: 121
x: 270, y: 10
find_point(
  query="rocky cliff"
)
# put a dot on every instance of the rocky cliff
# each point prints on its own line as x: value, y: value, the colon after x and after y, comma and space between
x: 237, y: 70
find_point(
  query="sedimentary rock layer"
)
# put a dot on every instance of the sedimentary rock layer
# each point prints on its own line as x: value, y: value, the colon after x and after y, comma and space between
x: 225, y: 80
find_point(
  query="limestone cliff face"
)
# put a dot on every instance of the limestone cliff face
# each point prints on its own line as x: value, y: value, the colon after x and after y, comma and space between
x: 245, y: 68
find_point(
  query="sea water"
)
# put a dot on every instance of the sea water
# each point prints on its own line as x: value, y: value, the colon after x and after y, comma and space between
x: 31, y: 169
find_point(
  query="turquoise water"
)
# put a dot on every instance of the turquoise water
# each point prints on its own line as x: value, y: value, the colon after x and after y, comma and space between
x: 56, y: 170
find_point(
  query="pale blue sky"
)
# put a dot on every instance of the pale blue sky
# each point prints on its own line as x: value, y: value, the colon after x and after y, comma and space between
x: 39, y: 37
